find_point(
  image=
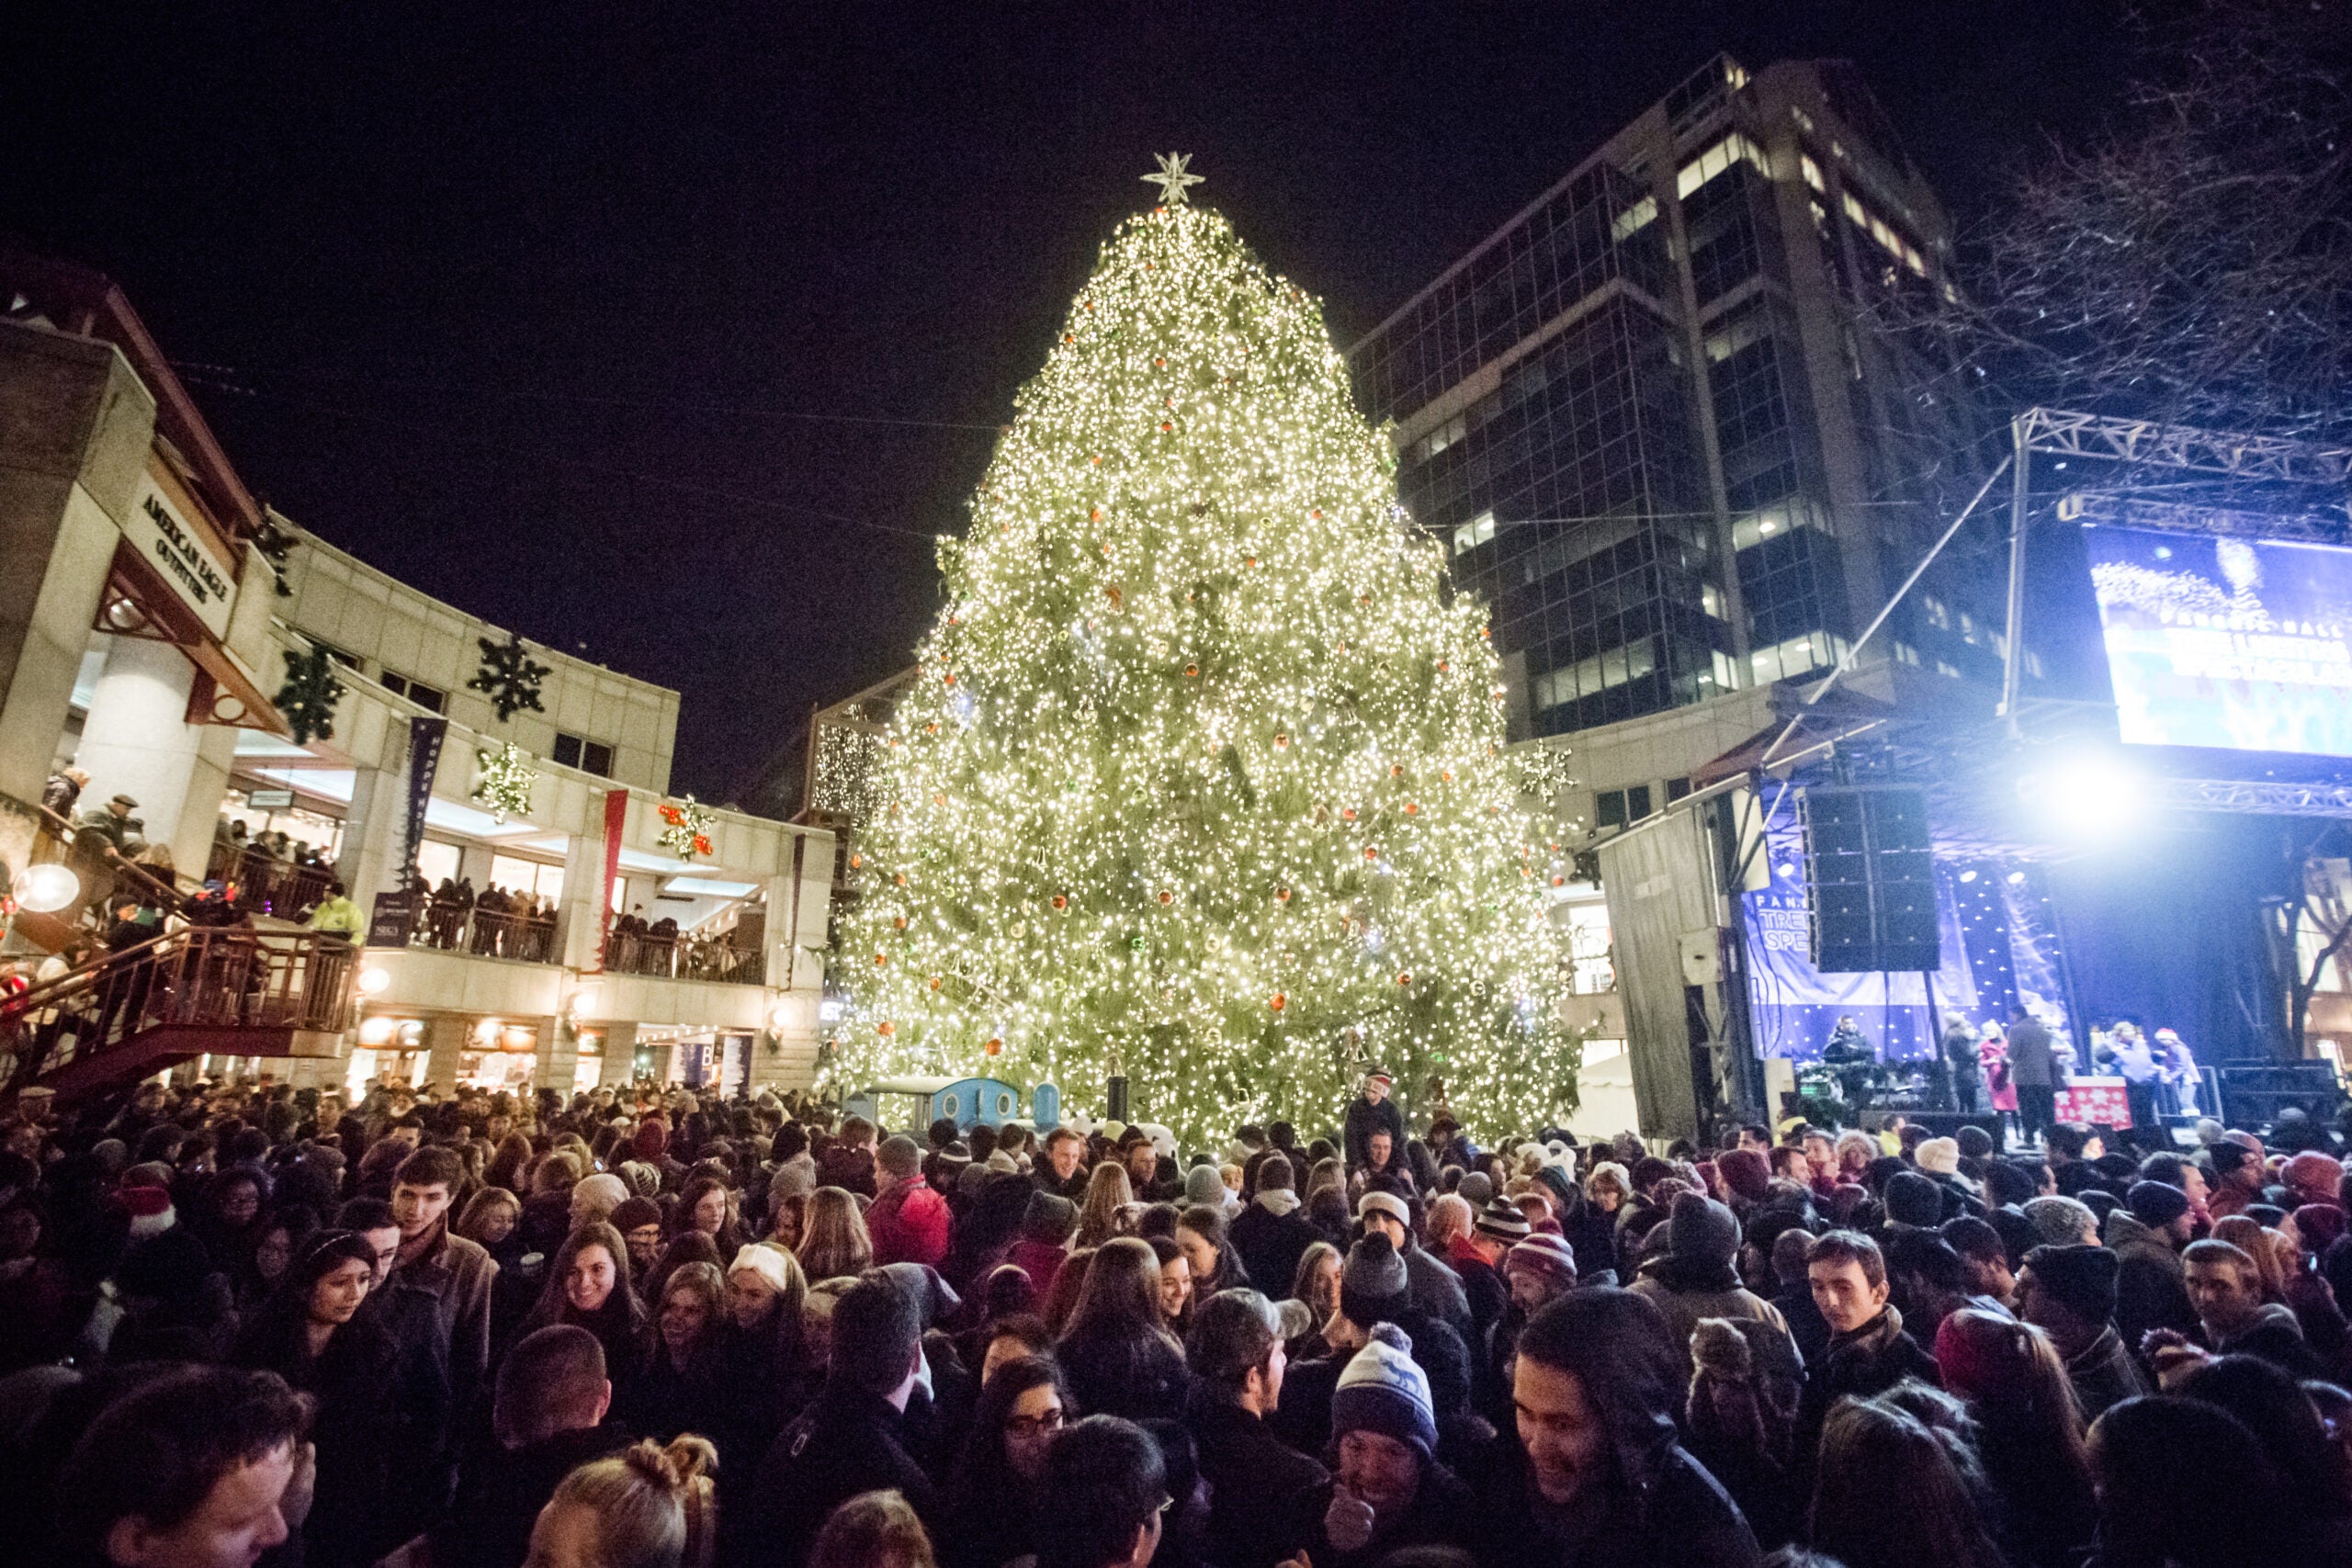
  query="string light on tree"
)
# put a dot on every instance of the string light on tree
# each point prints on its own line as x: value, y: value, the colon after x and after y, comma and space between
x: 1205, y: 774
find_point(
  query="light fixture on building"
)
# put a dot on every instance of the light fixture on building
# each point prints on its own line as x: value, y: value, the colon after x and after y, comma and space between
x: 375, y: 1031
x: 780, y: 1018
x: 517, y: 1037
x: 45, y: 888
x: 373, y: 980
x: 411, y: 1034
x: 486, y: 1033
x: 584, y: 1001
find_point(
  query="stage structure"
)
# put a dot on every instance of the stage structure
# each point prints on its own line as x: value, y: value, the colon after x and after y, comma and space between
x: 2122, y: 848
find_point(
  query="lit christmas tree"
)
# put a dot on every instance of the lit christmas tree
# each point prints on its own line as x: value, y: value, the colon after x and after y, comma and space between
x: 1202, y: 778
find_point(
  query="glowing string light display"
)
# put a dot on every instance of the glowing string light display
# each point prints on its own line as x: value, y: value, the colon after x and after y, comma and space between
x: 1202, y: 772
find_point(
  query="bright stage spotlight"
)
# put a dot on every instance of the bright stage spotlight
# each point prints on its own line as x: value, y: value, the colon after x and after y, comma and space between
x: 2088, y: 795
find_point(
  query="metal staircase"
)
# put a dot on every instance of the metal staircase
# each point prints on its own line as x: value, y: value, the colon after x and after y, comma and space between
x: 219, y: 990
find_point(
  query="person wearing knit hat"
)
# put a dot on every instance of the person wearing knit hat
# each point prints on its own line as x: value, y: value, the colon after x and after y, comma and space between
x: 1538, y: 1268
x: 1938, y: 1156
x: 2312, y: 1177
x: 1746, y: 1175
x: 1373, y: 1284
x: 1503, y: 1220
x: 1382, y: 1390
x: 639, y: 1221
x: 1388, y: 1488
x: 908, y: 1220
x: 1696, y: 1279
x: 1477, y: 1188
x: 595, y: 1197
x: 1436, y: 1289
x: 2146, y: 1235
x: 1205, y: 1188
x: 1913, y: 1200
x: 1745, y: 1382
x: 2069, y: 1293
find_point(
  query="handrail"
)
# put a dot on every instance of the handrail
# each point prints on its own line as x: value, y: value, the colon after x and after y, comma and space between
x: 66, y: 832
x: 227, y: 977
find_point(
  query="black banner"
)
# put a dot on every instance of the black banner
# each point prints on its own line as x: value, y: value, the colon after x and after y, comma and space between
x: 425, y: 738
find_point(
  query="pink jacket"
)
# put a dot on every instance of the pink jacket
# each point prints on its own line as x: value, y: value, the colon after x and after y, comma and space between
x: 908, y: 1223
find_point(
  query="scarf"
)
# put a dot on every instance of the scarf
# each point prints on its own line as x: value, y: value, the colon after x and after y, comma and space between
x: 1278, y: 1200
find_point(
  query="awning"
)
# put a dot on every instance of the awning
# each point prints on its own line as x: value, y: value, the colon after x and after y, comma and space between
x: 139, y: 602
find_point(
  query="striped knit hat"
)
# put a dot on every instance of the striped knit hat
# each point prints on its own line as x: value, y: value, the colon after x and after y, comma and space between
x: 1542, y: 1253
x: 1501, y: 1221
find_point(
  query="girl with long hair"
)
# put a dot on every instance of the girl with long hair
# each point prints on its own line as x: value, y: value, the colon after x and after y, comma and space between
x: 708, y: 1206
x: 2028, y: 1433
x: 1216, y: 1265
x: 380, y: 1412
x: 1119, y: 1359
x: 995, y: 1492
x: 1317, y: 1287
x: 588, y: 1284
x: 1889, y: 1494
x: 834, y: 1243
x: 684, y: 1388
x: 1175, y: 1286
x: 769, y: 1369
x: 1109, y: 1199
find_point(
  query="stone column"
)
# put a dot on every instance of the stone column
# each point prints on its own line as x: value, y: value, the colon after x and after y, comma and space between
x: 137, y: 740
x: 620, y: 1054
x: 446, y: 1036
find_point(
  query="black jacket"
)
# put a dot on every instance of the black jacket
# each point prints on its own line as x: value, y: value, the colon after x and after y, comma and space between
x: 849, y: 1441
x: 1265, y: 1497
x: 1660, y: 1510
x: 1865, y: 1363
x: 1364, y: 1119
x: 1271, y: 1245
x: 1141, y: 1379
x: 502, y: 1490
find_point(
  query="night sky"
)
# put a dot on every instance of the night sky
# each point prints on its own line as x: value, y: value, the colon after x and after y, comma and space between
x: 670, y: 334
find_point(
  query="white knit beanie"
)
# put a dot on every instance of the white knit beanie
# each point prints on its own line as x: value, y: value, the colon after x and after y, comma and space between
x: 770, y: 1263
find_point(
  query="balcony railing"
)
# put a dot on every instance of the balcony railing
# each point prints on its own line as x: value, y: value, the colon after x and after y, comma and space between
x: 683, y: 958
x: 445, y: 926
x: 268, y: 886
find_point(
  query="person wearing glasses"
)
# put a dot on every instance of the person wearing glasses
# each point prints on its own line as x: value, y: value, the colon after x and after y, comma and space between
x: 997, y: 1490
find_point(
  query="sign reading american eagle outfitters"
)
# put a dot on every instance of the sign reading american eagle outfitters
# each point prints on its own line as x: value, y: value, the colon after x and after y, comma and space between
x: 166, y: 538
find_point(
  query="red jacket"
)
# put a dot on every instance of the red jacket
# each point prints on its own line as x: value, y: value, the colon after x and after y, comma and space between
x: 908, y: 1223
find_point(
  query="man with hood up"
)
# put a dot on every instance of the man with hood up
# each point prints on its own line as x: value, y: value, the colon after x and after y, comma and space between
x: 1600, y: 1472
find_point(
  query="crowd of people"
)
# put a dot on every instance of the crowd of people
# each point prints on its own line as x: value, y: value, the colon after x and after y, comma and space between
x: 661, y: 1329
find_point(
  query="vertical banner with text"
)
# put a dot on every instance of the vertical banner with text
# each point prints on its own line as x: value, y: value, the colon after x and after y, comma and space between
x: 425, y: 738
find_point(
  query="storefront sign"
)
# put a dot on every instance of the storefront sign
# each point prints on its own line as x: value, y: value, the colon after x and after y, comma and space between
x: 393, y: 920
x: 268, y: 799
x: 169, y: 542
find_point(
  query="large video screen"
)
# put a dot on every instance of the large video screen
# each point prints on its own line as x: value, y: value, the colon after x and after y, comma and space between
x: 2214, y: 641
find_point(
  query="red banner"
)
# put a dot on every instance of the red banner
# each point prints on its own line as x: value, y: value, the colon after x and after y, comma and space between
x: 615, y: 819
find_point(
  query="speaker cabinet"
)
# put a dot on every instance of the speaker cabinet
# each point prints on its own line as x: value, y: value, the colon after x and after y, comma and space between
x: 1870, y: 881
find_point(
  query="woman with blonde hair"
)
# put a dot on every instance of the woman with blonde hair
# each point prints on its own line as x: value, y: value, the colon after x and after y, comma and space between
x: 872, y: 1529
x: 1448, y: 1217
x: 647, y: 1506
x: 833, y: 1240
x: 1109, y: 1196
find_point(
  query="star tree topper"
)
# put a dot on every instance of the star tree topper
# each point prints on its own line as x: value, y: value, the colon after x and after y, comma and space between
x: 1171, y: 178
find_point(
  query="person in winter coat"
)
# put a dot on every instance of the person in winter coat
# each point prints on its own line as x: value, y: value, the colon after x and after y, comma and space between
x: 1436, y: 1289
x: 1388, y: 1490
x: 2068, y: 1292
x: 1272, y: 1233
x: 1373, y: 1112
x: 1868, y: 1352
x: 1695, y: 1279
x: 2150, y: 1287
x: 908, y: 1222
x: 379, y: 1420
x: 1265, y: 1497
x: 1600, y: 1473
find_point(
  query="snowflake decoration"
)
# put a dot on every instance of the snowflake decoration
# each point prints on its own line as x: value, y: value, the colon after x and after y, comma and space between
x: 685, y: 830
x: 1172, y: 179
x: 503, y: 786
x: 310, y: 695
x: 510, y: 675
